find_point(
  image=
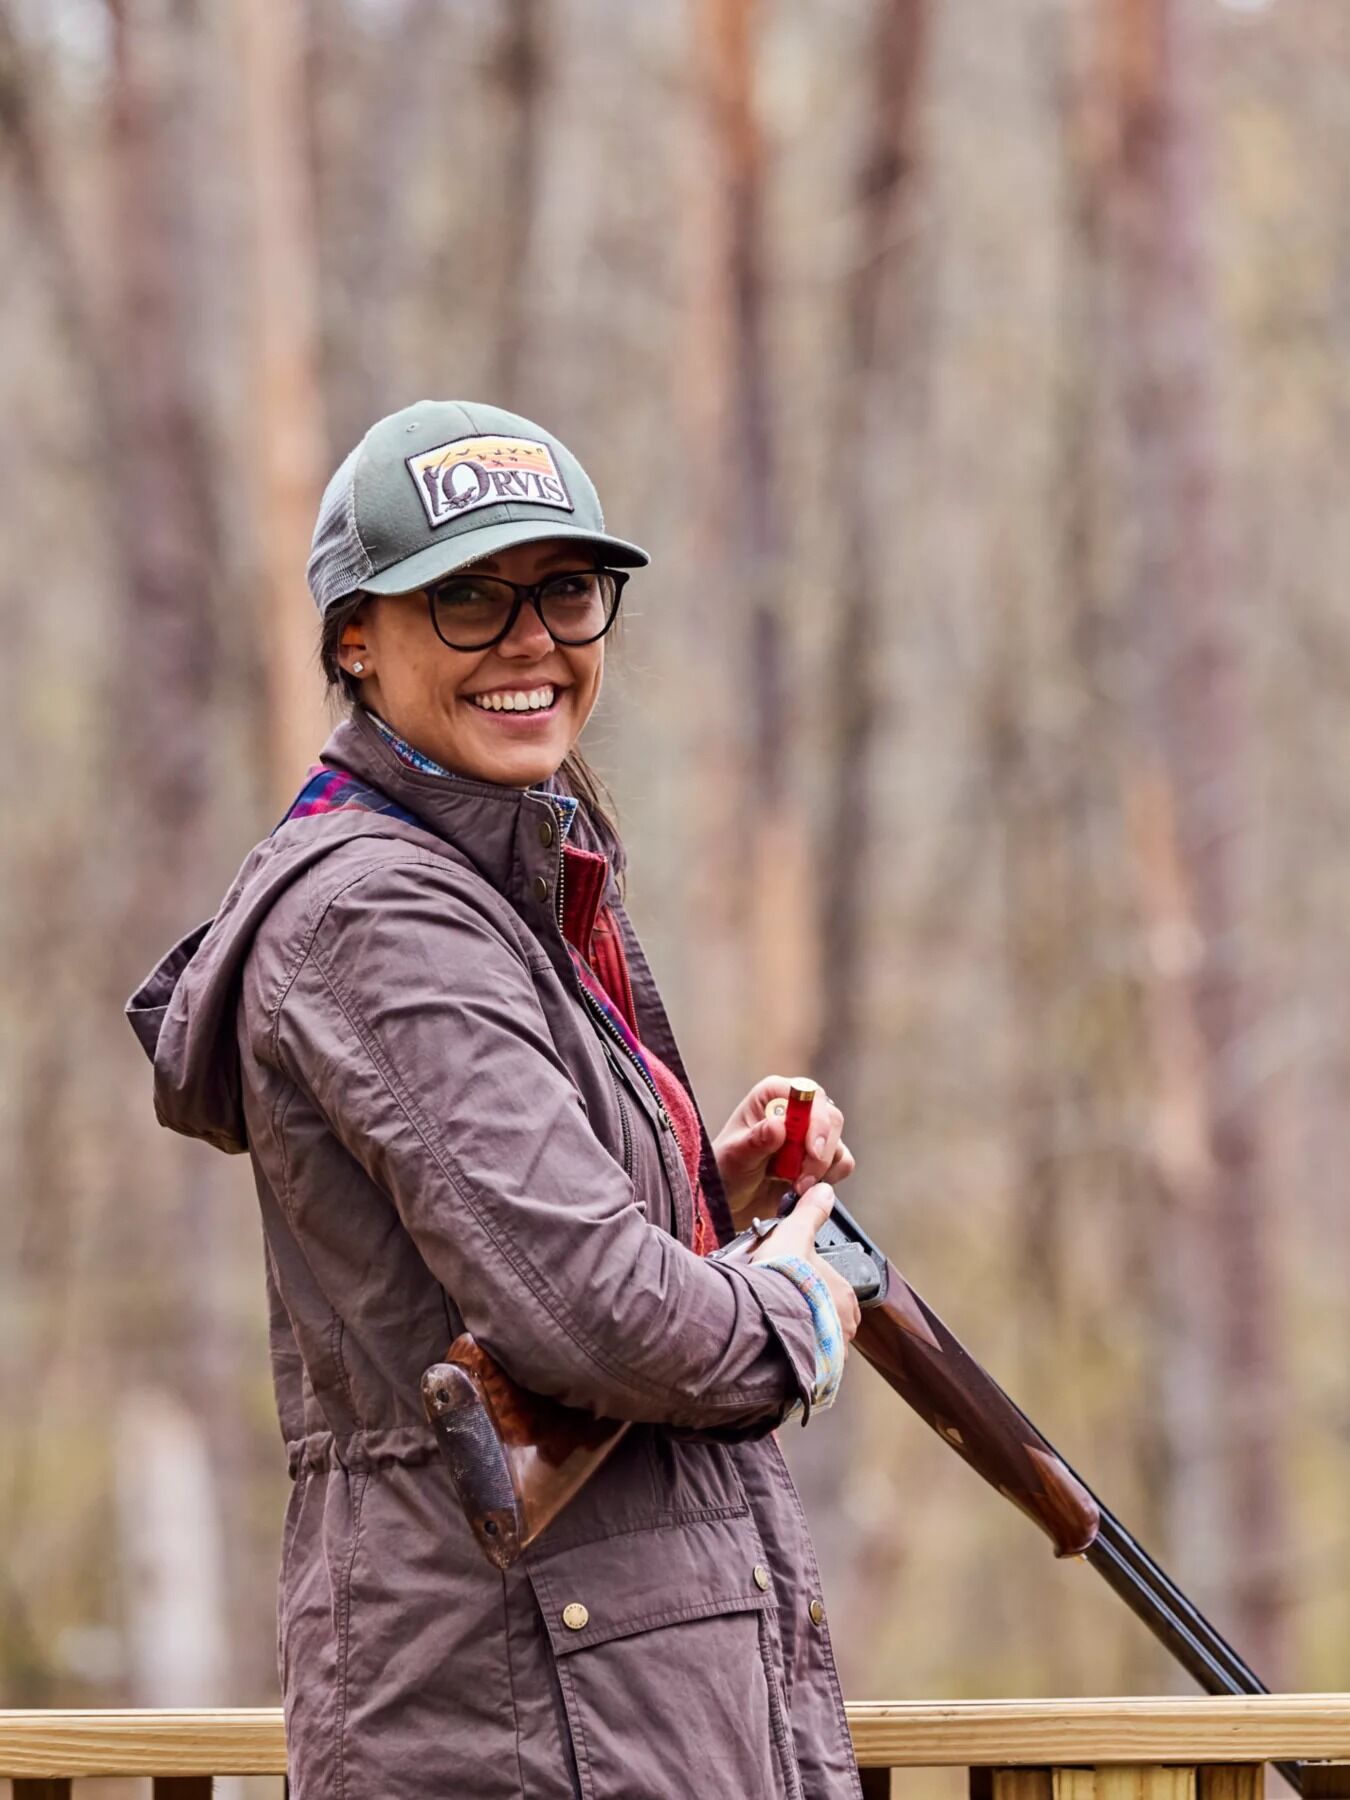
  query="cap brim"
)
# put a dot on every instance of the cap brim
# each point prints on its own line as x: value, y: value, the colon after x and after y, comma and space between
x: 436, y: 560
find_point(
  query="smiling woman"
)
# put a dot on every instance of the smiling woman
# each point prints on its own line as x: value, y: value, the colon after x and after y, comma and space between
x: 423, y: 1012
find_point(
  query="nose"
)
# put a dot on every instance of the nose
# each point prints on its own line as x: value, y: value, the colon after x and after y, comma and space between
x: 528, y: 637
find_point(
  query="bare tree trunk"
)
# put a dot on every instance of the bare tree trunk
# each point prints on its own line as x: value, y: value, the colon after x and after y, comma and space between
x: 288, y: 446
x: 1190, y: 786
x: 876, y: 337
x: 164, y: 688
x: 523, y: 75
x: 165, y: 509
x: 722, y: 225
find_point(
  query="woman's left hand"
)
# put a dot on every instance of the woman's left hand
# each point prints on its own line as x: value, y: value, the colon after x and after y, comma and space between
x: 754, y: 1133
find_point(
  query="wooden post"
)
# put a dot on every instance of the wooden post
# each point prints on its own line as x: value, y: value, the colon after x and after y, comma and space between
x: 1022, y: 1784
x: 183, y: 1787
x: 41, y: 1790
x: 1235, y: 1781
x: 876, y: 1784
x: 1143, y: 1782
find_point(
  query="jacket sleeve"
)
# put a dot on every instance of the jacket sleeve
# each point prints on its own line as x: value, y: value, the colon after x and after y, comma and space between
x: 416, y: 1026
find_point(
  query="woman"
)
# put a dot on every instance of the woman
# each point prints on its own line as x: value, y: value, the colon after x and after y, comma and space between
x: 422, y: 1011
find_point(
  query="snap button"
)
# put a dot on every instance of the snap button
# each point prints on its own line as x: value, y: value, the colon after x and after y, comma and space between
x: 540, y: 888
x: 817, y: 1612
x: 546, y: 832
x: 761, y: 1577
x: 575, y: 1616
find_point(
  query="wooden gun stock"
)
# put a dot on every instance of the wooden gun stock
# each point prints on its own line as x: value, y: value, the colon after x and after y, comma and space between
x: 515, y: 1458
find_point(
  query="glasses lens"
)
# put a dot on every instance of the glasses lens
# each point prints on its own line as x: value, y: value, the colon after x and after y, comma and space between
x: 579, y: 606
x: 471, y: 610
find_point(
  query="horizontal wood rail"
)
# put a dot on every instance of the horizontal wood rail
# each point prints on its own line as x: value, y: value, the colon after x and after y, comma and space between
x: 1158, y: 1749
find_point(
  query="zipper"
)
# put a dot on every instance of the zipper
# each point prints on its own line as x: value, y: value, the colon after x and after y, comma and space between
x: 608, y: 1027
x: 623, y: 1114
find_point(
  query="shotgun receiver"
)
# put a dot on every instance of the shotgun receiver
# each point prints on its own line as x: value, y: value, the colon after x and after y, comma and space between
x: 516, y: 1459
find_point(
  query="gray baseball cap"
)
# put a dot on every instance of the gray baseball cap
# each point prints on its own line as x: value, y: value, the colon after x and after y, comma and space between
x: 440, y: 484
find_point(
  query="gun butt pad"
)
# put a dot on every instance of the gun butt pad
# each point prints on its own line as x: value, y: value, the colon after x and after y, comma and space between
x: 472, y: 1449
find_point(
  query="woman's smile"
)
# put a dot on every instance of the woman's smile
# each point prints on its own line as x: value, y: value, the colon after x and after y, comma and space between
x: 520, y: 707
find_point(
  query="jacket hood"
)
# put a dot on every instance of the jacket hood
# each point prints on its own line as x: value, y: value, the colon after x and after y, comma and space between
x: 183, y: 1013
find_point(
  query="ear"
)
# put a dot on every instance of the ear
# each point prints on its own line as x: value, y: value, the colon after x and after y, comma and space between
x: 353, y: 650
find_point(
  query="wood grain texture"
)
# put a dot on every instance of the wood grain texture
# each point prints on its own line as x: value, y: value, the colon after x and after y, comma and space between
x: 1326, y: 1781
x: 41, y: 1790
x: 1017, y: 1738
x: 1236, y: 1781
x: 1186, y: 1731
x: 246, y: 1741
x: 1075, y: 1784
x: 1130, y: 1781
x: 1023, y: 1784
x: 183, y: 1787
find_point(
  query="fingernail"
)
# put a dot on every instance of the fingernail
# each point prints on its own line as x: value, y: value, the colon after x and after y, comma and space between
x: 819, y: 1146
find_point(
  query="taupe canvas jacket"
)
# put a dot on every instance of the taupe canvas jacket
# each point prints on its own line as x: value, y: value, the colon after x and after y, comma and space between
x: 385, y: 1017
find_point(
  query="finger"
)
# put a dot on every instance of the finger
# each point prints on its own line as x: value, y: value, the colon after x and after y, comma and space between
x: 843, y: 1165
x: 826, y: 1122
x: 822, y: 1143
x: 845, y: 1300
x: 770, y: 1090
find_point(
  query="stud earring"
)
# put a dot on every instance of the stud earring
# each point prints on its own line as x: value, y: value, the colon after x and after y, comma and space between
x: 357, y: 668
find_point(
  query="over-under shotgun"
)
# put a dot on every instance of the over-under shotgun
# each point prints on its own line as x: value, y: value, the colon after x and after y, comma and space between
x: 516, y: 1459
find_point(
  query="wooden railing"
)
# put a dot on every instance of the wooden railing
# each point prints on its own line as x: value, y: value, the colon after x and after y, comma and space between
x: 1166, y: 1749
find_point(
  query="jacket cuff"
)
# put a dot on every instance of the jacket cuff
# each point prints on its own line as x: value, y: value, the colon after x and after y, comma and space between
x: 788, y: 1315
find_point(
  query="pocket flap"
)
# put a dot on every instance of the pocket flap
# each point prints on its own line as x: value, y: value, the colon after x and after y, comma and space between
x: 637, y: 1580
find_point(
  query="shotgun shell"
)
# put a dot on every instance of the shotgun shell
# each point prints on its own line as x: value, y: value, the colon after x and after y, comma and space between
x: 786, y: 1163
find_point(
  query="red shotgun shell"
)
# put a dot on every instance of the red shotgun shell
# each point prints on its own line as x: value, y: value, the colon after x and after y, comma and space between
x: 786, y: 1163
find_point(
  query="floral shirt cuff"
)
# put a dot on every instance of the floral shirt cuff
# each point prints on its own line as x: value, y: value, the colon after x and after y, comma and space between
x: 825, y: 1319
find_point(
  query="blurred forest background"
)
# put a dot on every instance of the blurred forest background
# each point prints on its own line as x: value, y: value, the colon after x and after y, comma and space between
x: 979, y: 376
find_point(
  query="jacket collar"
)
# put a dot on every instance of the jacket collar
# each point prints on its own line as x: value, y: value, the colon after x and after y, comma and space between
x: 511, y: 835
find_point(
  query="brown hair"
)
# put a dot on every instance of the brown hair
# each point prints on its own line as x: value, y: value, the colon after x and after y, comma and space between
x: 575, y: 777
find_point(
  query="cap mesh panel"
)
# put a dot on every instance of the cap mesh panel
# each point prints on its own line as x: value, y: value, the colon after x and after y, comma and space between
x: 338, y: 562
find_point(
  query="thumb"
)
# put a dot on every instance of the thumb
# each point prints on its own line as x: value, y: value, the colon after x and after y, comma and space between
x: 795, y: 1234
x: 754, y: 1145
x: 815, y: 1205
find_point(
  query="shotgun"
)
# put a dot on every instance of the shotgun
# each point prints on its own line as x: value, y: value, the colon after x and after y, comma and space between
x: 516, y: 1458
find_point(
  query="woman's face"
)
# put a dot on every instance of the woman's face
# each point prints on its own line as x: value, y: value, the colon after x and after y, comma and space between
x: 433, y: 696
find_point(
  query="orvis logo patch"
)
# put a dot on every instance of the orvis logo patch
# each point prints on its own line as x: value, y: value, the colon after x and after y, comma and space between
x: 455, y: 478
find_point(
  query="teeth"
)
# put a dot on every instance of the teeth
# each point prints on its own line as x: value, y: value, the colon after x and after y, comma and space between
x: 532, y: 701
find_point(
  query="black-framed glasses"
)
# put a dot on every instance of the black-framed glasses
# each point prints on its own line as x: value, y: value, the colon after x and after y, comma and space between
x: 473, y: 612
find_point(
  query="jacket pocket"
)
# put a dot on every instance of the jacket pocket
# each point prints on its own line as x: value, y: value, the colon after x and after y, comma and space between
x: 661, y: 1639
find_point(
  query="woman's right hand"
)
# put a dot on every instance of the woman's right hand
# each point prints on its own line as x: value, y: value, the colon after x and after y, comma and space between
x: 795, y: 1235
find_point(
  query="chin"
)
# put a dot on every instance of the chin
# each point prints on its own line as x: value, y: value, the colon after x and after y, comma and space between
x: 524, y: 769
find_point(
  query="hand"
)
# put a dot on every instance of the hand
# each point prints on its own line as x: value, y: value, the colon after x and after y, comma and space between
x: 753, y: 1134
x: 796, y: 1236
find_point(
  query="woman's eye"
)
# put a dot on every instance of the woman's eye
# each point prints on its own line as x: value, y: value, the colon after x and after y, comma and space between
x: 571, y: 587
x: 463, y: 593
